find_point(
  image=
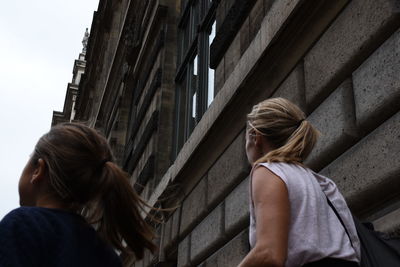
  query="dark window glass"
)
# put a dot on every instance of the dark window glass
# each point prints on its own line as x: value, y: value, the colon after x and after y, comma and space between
x: 195, y: 79
x: 186, y: 38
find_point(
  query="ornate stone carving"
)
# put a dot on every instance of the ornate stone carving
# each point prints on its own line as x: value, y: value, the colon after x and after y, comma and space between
x: 85, y: 41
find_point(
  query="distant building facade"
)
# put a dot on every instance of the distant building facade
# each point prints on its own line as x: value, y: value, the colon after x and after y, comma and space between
x: 169, y: 83
x: 68, y: 113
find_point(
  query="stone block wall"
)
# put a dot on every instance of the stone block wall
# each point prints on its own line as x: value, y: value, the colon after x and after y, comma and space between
x: 215, y: 211
x: 231, y: 254
x: 360, y: 28
x: 340, y: 65
x: 347, y: 82
x: 352, y: 95
x: 213, y: 215
x: 335, y: 119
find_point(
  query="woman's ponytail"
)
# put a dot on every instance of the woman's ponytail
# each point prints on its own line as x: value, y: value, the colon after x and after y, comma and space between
x: 297, y: 147
x: 120, y: 208
x: 283, y: 124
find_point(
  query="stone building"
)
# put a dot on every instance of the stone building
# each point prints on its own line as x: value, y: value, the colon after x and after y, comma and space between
x: 170, y: 83
x: 68, y: 113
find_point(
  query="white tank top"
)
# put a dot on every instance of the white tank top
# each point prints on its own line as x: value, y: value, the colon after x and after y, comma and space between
x: 315, y: 232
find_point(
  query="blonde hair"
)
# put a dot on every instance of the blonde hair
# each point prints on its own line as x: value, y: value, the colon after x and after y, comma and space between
x: 284, y: 126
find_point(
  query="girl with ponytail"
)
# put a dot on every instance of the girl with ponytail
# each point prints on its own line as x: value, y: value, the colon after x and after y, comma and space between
x: 77, y: 206
x: 291, y: 221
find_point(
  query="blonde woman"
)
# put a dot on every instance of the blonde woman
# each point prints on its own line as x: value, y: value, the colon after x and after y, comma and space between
x: 291, y: 222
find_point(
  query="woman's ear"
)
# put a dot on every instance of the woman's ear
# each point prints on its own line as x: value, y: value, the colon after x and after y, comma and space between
x: 264, y: 144
x: 39, y: 172
x: 258, y: 140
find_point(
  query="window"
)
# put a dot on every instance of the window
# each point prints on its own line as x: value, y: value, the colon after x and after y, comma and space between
x: 194, y: 78
x: 211, y: 72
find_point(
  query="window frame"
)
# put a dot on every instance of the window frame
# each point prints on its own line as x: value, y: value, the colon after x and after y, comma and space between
x: 198, y: 46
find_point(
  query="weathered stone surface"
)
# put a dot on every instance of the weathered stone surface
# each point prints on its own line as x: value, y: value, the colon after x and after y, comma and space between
x: 232, y: 253
x: 207, y: 234
x: 335, y: 119
x: 377, y: 84
x: 176, y: 219
x: 246, y: 63
x: 389, y: 223
x: 183, y: 252
x: 255, y: 18
x: 194, y: 206
x: 267, y: 5
x: 167, y: 233
x: 232, y: 55
x: 276, y: 16
x: 152, y: 260
x: 171, y: 230
x: 244, y: 36
x: 228, y: 170
x: 146, y: 258
x: 219, y: 76
x: 139, y: 264
x: 351, y: 37
x: 292, y: 88
x: 368, y: 173
x: 220, y: 15
x: 237, y: 208
x: 154, y: 257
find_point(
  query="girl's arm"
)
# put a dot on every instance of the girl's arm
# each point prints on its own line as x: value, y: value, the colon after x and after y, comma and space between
x: 272, y: 211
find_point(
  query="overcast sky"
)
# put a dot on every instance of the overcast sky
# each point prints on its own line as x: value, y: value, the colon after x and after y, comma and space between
x: 39, y: 41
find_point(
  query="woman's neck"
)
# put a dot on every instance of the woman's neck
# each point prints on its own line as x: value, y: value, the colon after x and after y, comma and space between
x: 50, y: 202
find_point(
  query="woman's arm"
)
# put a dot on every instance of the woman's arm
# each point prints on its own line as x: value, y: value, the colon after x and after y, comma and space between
x: 272, y: 211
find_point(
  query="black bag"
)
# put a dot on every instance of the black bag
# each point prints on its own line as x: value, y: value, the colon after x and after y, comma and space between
x: 376, y: 249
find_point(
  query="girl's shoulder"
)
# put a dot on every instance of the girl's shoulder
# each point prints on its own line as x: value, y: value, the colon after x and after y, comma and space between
x: 283, y: 165
x: 27, y: 211
x: 19, y: 237
x: 22, y: 220
x: 21, y: 213
x: 288, y: 172
x: 37, y: 217
x: 283, y: 168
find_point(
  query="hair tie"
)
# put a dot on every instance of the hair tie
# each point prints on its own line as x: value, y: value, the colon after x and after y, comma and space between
x: 102, y: 163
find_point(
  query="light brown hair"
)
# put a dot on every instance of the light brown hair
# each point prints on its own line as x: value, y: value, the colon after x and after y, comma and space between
x: 284, y: 126
x: 83, y: 174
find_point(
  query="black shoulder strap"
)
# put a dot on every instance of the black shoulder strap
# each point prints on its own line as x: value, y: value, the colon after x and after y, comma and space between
x: 340, y: 219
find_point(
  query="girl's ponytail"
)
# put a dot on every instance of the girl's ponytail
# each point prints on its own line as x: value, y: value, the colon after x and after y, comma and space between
x: 120, y: 208
x: 297, y: 148
x: 283, y: 124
